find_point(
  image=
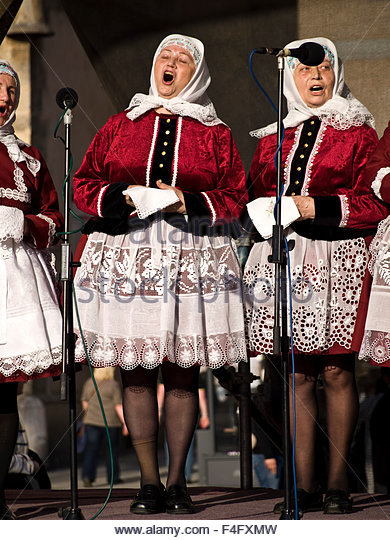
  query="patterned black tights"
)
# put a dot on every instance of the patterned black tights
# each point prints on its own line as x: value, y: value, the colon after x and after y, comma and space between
x: 141, y: 416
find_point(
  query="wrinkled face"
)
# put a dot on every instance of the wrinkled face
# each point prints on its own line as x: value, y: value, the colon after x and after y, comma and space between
x: 314, y: 83
x: 173, y: 70
x: 7, y: 97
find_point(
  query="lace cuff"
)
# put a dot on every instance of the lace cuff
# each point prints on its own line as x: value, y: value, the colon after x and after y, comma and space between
x: 377, y: 183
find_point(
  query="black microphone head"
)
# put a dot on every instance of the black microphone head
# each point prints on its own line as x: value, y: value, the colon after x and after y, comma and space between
x: 67, y: 98
x: 310, y: 53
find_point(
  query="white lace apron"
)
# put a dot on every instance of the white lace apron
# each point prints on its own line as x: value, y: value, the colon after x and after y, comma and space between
x: 160, y: 294
x: 376, y: 339
x: 30, y: 334
x: 327, y: 279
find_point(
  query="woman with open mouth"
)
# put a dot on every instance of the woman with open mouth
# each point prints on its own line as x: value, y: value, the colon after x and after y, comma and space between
x: 159, y: 283
x: 329, y: 136
x: 30, y: 318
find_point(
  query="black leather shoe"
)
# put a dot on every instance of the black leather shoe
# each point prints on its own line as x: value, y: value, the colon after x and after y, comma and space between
x: 337, y: 501
x: 5, y: 512
x: 178, y: 501
x: 149, y: 500
x: 307, y: 502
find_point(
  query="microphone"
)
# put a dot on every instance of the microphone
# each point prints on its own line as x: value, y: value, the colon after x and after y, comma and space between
x: 309, y: 53
x: 67, y: 98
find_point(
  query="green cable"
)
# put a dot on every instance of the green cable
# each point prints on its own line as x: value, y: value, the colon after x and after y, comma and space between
x: 101, y: 407
x: 81, y: 331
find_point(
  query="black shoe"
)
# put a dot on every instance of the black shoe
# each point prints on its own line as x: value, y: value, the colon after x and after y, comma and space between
x: 5, y: 512
x: 149, y: 500
x: 178, y: 501
x: 337, y: 501
x: 307, y: 502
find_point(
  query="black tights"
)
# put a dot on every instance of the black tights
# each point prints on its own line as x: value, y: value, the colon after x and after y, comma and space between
x: 9, y: 424
x: 341, y: 414
x: 141, y: 416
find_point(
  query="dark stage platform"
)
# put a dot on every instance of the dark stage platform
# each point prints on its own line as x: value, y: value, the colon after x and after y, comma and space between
x: 212, y: 503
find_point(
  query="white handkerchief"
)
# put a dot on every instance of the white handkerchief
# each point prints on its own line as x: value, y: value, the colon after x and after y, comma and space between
x: 149, y: 200
x: 261, y: 212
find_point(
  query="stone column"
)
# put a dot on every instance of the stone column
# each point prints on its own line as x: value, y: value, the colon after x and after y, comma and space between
x: 360, y: 31
x: 16, y: 49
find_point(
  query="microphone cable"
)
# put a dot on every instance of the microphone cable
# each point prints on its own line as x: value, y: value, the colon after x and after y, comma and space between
x: 277, y: 202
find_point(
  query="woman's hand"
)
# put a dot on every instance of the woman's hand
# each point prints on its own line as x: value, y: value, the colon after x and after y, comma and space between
x: 128, y: 198
x: 179, y: 206
x: 305, y: 206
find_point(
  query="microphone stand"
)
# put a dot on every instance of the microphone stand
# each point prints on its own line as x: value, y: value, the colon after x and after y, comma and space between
x: 280, y: 333
x: 68, y: 379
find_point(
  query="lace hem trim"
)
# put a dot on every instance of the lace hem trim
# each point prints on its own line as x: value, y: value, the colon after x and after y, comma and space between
x: 379, y: 251
x: 29, y: 364
x: 377, y: 183
x: 375, y: 346
x: 149, y: 352
x: 312, y: 331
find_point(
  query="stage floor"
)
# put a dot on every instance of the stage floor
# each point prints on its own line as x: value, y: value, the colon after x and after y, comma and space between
x: 212, y: 503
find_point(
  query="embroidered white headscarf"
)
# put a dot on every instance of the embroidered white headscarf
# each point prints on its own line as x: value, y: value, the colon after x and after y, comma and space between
x: 193, y: 100
x: 7, y: 132
x: 341, y: 111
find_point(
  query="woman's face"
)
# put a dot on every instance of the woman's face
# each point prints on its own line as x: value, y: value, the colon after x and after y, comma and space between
x: 7, y: 97
x: 173, y: 70
x: 314, y: 83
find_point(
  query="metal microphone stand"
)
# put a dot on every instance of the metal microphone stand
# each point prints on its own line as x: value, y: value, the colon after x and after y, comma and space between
x: 280, y: 333
x: 67, y: 99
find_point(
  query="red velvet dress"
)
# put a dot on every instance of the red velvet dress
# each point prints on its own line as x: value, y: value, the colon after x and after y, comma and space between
x: 165, y: 287
x: 330, y: 255
x: 376, y: 319
x: 30, y: 325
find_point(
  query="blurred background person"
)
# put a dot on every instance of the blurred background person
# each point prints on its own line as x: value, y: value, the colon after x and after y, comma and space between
x: 95, y: 431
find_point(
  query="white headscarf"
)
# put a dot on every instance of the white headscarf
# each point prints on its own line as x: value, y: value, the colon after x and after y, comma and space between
x: 193, y: 100
x: 341, y: 111
x: 7, y: 132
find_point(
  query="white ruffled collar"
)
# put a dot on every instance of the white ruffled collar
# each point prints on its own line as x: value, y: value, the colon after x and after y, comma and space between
x: 14, y: 146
